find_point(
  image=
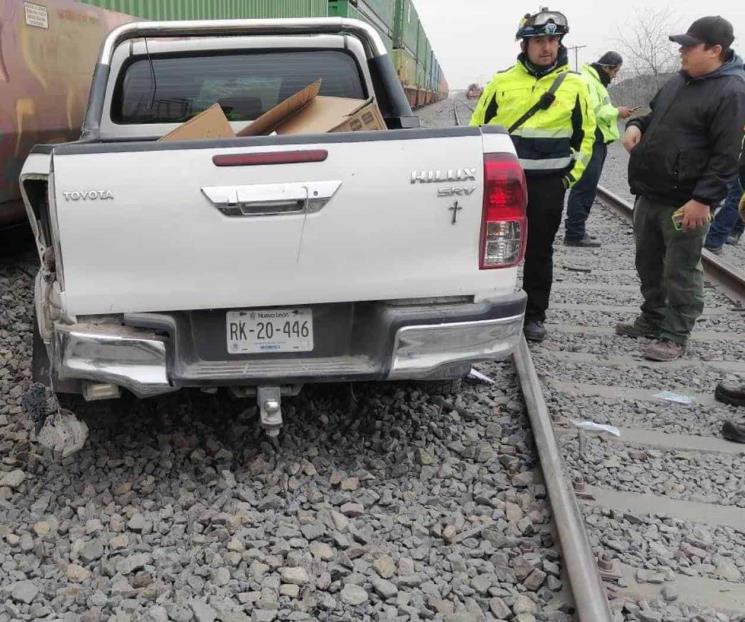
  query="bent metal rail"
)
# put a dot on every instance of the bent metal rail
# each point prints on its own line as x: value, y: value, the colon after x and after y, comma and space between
x: 589, y: 593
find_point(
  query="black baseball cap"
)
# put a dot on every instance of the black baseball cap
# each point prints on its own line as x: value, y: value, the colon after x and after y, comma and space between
x: 711, y: 30
x: 611, y: 59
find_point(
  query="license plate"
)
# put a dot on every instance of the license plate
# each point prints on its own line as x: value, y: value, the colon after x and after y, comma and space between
x: 269, y: 330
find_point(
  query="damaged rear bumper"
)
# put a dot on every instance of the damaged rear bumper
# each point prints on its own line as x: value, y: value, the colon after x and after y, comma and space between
x: 151, y: 354
x: 127, y: 357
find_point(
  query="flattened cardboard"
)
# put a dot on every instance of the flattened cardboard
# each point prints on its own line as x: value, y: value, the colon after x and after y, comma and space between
x: 273, y: 118
x: 210, y: 123
x: 334, y: 114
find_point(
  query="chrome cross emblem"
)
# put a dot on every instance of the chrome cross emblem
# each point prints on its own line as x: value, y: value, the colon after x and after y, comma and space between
x: 455, y: 208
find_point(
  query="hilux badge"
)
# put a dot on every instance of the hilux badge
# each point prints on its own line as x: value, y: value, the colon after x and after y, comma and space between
x: 439, y: 177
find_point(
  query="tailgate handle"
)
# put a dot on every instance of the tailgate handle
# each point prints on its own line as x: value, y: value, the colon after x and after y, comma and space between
x: 272, y: 199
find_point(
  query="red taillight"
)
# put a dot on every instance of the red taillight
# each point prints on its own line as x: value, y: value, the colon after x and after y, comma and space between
x: 504, y: 225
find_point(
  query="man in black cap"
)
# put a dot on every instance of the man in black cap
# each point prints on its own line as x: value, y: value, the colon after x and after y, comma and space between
x: 683, y: 159
x: 598, y: 76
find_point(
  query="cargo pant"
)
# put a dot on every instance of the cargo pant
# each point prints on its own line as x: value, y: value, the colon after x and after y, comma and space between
x: 670, y: 270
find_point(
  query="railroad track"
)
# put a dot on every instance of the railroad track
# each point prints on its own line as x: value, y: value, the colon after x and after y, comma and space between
x: 587, y: 589
x: 662, y: 502
x: 668, y: 469
x: 461, y: 117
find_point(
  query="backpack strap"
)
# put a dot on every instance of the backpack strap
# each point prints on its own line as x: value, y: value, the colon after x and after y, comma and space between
x: 543, y: 103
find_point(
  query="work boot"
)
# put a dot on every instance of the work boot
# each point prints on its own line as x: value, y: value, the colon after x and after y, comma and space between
x: 717, y: 250
x: 636, y: 330
x: 534, y: 330
x: 664, y: 351
x: 734, y: 432
x: 585, y: 242
x: 730, y: 394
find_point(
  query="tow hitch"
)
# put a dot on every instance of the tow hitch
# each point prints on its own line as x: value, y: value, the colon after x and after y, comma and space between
x: 270, y: 409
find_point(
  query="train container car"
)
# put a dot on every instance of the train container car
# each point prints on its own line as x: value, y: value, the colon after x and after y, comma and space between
x: 379, y: 14
x: 406, y: 27
x: 47, y: 55
x: 215, y: 9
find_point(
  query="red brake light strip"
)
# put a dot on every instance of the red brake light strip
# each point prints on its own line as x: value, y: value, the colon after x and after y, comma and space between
x: 270, y: 157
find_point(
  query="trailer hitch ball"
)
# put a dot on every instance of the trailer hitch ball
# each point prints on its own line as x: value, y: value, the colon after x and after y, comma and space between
x: 270, y: 409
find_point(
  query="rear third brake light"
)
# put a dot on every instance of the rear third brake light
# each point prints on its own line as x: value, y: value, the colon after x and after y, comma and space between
x: 271, y: 157
x: 504, y: 225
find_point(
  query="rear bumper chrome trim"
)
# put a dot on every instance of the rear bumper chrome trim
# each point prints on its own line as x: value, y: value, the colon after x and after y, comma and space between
x: 128, y: 357
x: 420, y: 350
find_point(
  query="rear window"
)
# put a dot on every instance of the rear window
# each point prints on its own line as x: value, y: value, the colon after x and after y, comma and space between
x: 172, y: 89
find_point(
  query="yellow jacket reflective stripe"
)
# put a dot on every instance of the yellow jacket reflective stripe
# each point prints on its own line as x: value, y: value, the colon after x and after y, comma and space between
x: 558, y: 139
x: 606, y: 113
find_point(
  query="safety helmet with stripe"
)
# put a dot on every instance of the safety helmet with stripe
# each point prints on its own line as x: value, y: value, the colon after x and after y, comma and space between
x: 542, y: 24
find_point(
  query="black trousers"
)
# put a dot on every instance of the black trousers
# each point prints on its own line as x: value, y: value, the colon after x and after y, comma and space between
x: 583, y: 194
x: 545, y: 204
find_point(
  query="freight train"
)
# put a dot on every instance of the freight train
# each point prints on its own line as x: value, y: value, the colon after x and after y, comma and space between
x: 47, y: 55
x: 48, y: 49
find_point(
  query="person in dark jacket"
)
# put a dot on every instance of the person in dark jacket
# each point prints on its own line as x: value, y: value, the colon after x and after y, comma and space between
x: 683, y: 159
x: 727, y: 393
x: 598, y: 75
x: 727, y: 222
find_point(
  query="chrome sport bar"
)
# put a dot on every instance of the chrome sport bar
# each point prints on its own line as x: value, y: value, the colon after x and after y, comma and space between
x: 370, y: 38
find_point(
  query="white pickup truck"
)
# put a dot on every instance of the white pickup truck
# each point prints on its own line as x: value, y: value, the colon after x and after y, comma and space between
x: 260, y: 264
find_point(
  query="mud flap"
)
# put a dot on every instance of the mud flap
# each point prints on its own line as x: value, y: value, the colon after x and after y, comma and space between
x: 57, y: 429
x: 63, y: 433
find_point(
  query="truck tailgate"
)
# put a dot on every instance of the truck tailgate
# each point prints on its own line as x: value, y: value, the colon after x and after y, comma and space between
x: 160, y: 226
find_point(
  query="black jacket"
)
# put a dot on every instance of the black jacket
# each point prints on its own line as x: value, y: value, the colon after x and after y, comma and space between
x: 691, y: 140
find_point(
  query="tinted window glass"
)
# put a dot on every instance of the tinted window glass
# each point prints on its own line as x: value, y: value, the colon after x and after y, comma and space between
x: 175, y: 88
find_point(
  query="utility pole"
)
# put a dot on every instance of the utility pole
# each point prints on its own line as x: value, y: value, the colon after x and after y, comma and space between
x: 576, y: 49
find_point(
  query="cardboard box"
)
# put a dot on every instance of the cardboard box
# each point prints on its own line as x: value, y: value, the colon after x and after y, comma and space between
x: 273, y: 118
x: 210, y: 123
x: 305, y: 112
x: 334, y: 114
x: 308, y: 113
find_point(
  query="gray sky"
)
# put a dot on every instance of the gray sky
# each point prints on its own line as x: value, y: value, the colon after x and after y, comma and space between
x: 473, y: 39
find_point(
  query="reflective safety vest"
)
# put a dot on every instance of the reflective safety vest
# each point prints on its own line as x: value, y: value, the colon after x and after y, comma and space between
x: 558, y: 139
x: 606, y: 113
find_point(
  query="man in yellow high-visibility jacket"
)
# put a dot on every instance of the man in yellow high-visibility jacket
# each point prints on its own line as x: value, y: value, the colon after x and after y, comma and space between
x: 547, y: 111
x: 598, y: 76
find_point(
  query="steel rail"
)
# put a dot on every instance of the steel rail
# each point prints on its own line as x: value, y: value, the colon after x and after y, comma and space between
x: 717, y: 268
x: 590, y: 597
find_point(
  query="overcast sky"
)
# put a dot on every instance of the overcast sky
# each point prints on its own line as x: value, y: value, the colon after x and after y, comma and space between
x: 473, y: 39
